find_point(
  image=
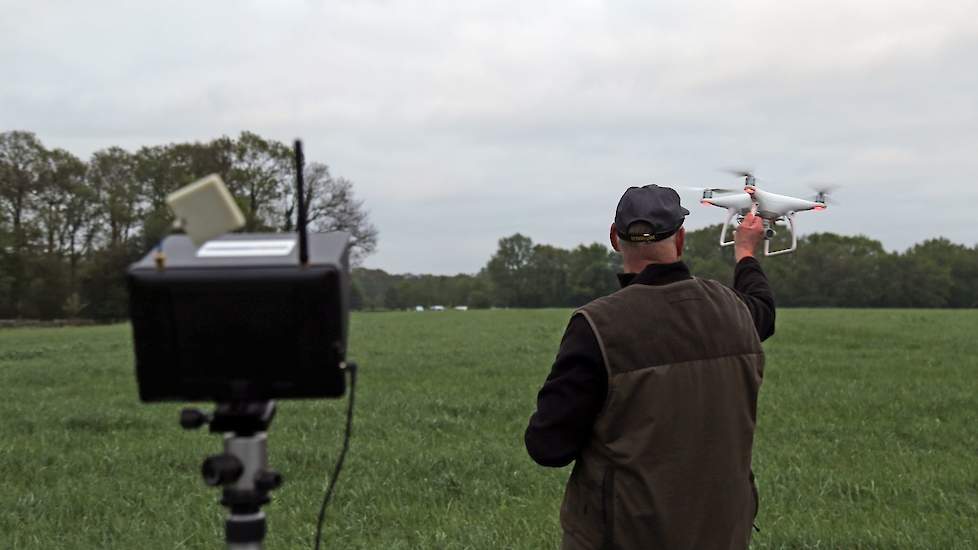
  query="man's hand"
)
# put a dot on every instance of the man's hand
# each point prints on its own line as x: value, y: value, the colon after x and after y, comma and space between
x: 748, y: 235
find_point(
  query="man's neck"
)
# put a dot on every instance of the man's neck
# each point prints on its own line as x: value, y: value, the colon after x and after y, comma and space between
x: 640, y: 265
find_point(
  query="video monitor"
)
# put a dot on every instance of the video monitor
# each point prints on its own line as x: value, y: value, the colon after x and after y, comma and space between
x: 241, y: 319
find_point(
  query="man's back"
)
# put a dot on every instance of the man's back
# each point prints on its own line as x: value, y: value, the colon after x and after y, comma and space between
x: 654, y: 392
x: 668, y: 463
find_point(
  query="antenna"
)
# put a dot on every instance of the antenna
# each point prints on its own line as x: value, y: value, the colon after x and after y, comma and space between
x: 301, y: 203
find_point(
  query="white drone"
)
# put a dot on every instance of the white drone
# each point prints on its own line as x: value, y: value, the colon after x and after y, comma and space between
x: 774, y: 209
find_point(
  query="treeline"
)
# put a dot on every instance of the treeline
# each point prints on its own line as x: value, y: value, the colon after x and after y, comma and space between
x: 519, y: 274
x: 69, y: 227
x: 827, y: 270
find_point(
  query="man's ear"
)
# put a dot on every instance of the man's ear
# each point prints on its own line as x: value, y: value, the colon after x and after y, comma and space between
x: 614, y: 238
x: 680, y: 241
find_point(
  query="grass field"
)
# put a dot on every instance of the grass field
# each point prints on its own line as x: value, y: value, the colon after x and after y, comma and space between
x: 867, y: 438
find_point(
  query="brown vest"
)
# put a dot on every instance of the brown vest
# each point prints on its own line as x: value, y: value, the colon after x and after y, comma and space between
x: 669, y: 460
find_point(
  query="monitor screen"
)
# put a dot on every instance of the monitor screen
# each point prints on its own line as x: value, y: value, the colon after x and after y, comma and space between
x: 240, y: 324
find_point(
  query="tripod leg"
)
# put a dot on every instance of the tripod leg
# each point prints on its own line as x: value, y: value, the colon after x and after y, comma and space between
x: 245, y: 531
x: 245, y: 527
x: 242, y: 469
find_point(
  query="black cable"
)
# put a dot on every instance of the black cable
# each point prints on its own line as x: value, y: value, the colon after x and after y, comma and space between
x: 352, y: 369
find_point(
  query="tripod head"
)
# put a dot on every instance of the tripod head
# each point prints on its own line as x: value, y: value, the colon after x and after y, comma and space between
x: 242, y: 469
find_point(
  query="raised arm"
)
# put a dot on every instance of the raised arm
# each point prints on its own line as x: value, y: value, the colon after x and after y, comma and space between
x: 750, y: 282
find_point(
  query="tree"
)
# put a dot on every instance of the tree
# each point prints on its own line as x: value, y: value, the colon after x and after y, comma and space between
x: 47, y: 287
x: 592, y: 270
x: 392, y: 298
x: 67, y: 208
x: 506, y: 270
x: 356, y: 295
x: 480, y: 293
x: 704, y: 256
x: 111, y: 173
x: 163, y: 169
x: 828, y: 270
x: 961, y: 264
x: 332, y: 206
x: 260, y: 176
x: 102, y: 283
x: 22, y: 160
x: 545, y: 277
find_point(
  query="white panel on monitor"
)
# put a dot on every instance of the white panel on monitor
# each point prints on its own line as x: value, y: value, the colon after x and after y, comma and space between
x: 205, y: 209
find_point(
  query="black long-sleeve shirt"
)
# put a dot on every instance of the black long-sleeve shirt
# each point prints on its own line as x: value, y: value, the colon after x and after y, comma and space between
x: 574, y: 393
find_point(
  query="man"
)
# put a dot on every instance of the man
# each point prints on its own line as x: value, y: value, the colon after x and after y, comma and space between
x: 654, y: 393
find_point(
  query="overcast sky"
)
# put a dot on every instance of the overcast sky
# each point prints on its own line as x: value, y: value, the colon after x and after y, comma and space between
x: 463, y: 122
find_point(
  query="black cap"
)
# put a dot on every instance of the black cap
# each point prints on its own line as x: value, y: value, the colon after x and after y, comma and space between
x: 654, y: 205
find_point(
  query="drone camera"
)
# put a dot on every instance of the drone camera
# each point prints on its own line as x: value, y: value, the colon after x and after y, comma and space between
x: 769, y: 233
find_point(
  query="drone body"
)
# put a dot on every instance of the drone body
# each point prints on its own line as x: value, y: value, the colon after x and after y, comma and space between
x: 776, y: 210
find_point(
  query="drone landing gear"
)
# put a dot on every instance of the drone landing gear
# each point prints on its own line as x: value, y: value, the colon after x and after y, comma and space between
x: 723, y: 232
x: 242, y: 469
x: 769, y: 232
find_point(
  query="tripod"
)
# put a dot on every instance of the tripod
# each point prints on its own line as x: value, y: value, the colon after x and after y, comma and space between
x: 242, y: 469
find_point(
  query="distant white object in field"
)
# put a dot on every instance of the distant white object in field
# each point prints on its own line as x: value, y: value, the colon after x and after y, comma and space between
x: 419, y: 308
x: 437, y: 308
x: 461, y: 308
x: 205, y: 209
x: 775, y: 210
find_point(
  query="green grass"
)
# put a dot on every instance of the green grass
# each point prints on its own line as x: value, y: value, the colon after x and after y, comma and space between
x: 867, y: 438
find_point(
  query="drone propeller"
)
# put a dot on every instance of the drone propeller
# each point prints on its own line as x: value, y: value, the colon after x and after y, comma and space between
x: 714, y: 189
x: 748, y: 175
x: 740, y: 172
x: 823, y: 192
x: 821, y: 187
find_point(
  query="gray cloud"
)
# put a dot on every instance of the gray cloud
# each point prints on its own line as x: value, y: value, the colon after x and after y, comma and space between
x: 464, y: 122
